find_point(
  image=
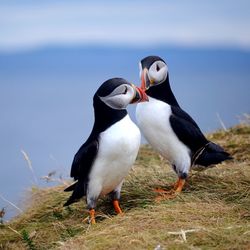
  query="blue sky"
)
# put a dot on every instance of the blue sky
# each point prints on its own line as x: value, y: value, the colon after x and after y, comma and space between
x: 33, y: 24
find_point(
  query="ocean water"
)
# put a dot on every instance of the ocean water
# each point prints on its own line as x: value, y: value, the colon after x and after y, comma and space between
x: 46, y: 102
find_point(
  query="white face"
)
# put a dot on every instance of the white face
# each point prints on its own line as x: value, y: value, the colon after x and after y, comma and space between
x: 157, y: 73
x: 140, y: 70
x: 120, y: 97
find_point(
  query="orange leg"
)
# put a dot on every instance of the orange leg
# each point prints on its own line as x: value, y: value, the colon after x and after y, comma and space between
x: 117, y: 207
x: 92, y: 216
x: 179, y: 185
x: 176, y: 184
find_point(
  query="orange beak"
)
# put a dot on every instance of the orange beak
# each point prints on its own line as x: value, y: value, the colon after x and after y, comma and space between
x: 140, y: 95
x: 145, y: 82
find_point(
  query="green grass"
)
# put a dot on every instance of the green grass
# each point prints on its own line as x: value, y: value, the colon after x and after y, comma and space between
x: 213, y: 212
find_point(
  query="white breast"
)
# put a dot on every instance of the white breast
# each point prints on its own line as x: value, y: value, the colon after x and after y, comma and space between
x: 153, y: 120
x: 118, y: 148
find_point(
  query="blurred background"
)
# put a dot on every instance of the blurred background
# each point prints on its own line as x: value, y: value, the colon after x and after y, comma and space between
x: 55, y: 54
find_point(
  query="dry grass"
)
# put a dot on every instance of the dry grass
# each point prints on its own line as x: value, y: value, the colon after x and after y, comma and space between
x: 213, y: 212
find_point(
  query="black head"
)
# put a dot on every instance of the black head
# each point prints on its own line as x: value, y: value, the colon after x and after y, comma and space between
x: 155, y: 79
x: 149, y: 60
x: 110, y: 102
x: 153, y: 71
x: 117, y: 93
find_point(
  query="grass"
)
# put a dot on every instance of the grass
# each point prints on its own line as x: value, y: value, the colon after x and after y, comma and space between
x: 213, y: 212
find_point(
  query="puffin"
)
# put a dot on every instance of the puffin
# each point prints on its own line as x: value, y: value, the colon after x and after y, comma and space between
x: 103, y: 161
x: 170, y: 130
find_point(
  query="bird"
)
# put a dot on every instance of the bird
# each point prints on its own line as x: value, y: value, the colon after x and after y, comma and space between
x: 103, y: 161
x: 2, y: 213
x: 170, y: 130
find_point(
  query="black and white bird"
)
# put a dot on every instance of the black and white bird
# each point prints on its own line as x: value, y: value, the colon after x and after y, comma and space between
x: 168, y: 128
x: 103, y: 161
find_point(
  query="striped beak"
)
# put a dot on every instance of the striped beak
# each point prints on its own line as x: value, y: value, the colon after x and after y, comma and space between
x: 140, y: 95
x: 145, y: 82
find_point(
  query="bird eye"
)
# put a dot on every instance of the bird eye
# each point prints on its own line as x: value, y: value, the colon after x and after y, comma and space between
x: 157, y: 67
x: 125, y: 91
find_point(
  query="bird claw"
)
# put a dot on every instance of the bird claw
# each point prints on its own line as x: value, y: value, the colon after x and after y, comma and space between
x: 161, y: 191
x: 89, y: 220
x: 170, y: 194
x: 86, y: 219
x: 167, y: 195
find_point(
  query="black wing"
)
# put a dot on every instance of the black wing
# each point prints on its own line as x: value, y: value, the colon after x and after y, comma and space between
x: 212, y: 154
x: 83, y: 160
x: 186, y: 129
x: 80, y: 170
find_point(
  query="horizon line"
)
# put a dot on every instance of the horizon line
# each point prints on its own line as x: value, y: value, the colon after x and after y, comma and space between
x: 31, y: 49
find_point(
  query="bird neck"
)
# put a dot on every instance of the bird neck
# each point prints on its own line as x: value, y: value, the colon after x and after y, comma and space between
x: 106, y: 116
x: 163, y: 93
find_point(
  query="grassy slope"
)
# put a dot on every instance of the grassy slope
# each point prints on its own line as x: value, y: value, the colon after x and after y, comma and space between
x: 215, y: 205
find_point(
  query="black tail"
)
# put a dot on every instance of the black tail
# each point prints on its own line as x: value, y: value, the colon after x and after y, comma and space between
x: 212, y: 154
x: 71, y: 187
x: 79, y: 190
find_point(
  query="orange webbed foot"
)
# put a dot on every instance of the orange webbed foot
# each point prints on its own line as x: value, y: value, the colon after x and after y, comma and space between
x: 170, y: 194
x: 161, y: 191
